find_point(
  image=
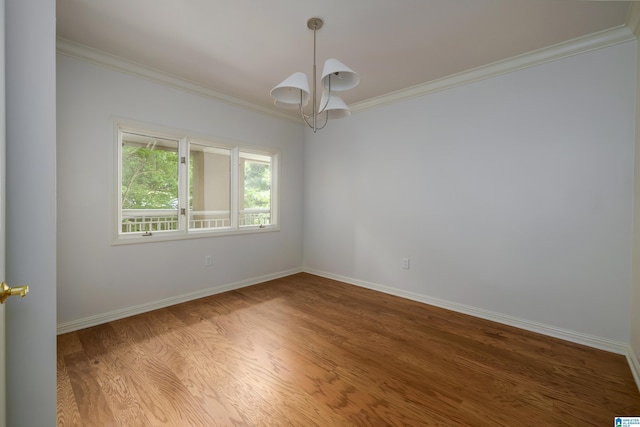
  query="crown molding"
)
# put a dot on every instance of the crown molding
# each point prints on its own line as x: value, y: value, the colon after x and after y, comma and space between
x: 561, y: 50
x: 97, y: 57
x: 633, y: 19
x: 620, y: 34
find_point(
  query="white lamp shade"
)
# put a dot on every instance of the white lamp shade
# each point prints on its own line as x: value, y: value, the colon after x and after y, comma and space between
x: 336, y: 108
x: 342, y: 77
x: 288, y: 92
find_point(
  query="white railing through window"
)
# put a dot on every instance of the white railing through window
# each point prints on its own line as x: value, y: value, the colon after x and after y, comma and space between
x: 143, y: 220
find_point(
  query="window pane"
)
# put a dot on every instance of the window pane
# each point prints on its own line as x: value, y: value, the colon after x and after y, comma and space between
x: 149, y: 186
x: 209, y: 195
x: 255, y: 188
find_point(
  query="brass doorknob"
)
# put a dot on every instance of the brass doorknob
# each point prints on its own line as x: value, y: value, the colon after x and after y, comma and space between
x: 6, y: 291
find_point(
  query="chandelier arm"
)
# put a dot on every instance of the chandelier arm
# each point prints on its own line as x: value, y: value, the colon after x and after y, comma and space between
x: 322, y: 110
x: 326, y: 120
x: 304, y: 116
x: 306, y: 120
x: 300, y: 105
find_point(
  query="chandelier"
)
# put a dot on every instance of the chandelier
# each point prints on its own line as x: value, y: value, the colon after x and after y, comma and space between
x: 293, y: 92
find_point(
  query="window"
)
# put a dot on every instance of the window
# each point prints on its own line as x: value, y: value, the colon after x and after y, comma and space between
x: 174, y: 186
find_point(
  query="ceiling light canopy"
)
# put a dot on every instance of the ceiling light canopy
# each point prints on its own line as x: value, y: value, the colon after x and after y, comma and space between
x: 294, y: 92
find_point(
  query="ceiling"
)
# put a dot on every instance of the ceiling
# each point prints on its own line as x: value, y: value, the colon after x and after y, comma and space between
x: 242, y: 48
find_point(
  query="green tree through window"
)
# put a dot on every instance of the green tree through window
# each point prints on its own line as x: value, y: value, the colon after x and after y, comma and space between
x: 149, y: 174
x: 257, y: 185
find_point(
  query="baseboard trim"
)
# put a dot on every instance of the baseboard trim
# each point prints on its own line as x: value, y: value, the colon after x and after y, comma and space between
x: 564, y: 334
x: 99, y: 319
x: 634, y: 364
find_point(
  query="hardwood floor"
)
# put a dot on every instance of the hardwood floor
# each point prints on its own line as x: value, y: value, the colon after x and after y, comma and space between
x: 308, y: 351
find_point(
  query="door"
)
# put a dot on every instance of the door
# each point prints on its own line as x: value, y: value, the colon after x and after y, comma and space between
x: 29, y: 42
x: 5, y: 291
x: 3, y: 132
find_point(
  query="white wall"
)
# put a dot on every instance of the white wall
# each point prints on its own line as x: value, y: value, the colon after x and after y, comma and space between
x: 31, y: 211
x: 511, y: 195
x: 96, y: 278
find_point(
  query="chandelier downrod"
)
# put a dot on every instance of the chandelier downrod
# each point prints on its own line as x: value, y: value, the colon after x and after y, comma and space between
x: 315, y: 24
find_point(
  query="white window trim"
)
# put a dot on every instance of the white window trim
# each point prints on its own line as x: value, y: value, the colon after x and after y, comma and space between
x: 185, y: 138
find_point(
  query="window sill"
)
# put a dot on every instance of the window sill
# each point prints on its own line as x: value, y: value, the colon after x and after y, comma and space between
x: 167, y: 236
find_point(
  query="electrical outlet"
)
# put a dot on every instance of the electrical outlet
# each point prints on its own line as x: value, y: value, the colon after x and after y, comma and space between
x: 208, y: 261
x: 406, y: 263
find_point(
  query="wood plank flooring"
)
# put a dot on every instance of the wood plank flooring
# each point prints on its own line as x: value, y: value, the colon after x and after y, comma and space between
x: 308, y: 351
